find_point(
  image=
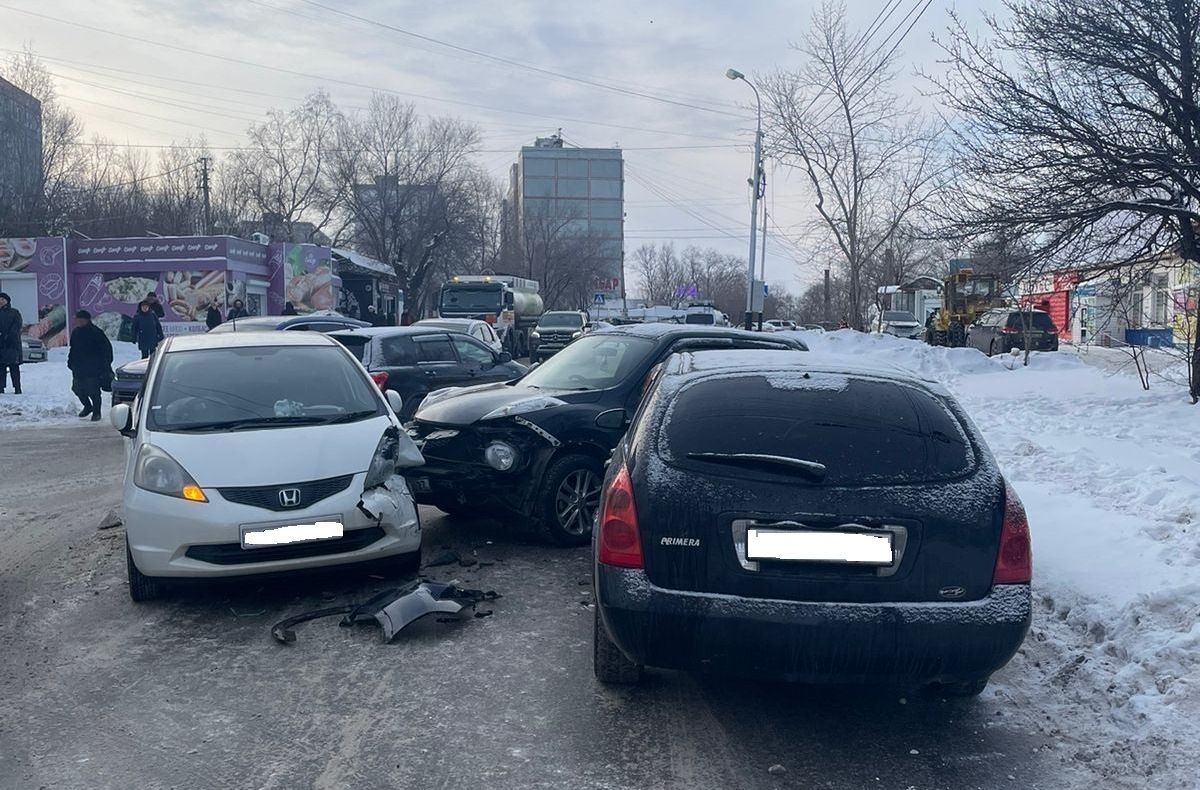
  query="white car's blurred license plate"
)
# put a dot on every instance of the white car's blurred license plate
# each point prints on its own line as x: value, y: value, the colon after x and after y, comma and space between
x: 259, y: 536
x: 863, y: 548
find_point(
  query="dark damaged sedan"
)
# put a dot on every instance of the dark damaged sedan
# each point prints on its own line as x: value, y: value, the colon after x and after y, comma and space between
x: 785, y: 516
x: 535, y: 448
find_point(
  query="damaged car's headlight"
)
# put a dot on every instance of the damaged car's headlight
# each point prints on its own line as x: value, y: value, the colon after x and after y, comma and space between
x: 524, y: 407
x: 158, y: 472
x: 500, y: 456
x: 383, y: 463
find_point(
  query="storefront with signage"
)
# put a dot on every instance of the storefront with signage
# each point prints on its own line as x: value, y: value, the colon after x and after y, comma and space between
x: 109, y: 277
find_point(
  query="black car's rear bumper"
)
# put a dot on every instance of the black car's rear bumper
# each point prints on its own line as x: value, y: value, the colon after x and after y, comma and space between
x: 812, y: 641
x: 125, y: 391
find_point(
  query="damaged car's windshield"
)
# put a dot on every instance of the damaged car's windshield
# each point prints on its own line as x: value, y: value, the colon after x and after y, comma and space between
x: 260, y: 387
x: 591, y: 363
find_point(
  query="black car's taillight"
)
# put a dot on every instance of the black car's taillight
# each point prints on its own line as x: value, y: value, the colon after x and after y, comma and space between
x: 1014, y: 560
x: 620, y: 543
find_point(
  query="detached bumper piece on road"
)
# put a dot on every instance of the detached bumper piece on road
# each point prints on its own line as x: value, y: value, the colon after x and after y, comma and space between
x: 394, y: 609
x: 813, y: 641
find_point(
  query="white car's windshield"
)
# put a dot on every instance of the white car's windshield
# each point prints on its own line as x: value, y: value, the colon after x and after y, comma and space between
x: 258, y: 387
x: 594, y: 362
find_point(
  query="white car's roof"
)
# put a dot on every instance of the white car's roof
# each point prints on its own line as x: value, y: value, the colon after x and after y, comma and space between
x: 246, y: 339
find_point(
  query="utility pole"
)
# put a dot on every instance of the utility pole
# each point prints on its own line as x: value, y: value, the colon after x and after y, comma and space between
x: 205, y: 193
x: 828, y: 312
x: 756, y: 174
x: 762, y: 271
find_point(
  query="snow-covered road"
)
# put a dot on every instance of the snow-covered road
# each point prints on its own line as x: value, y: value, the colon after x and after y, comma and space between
x: 46, y: 390
x: 1110, y: 477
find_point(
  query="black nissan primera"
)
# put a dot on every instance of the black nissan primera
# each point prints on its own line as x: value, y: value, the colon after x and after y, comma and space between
x: 783, y: 515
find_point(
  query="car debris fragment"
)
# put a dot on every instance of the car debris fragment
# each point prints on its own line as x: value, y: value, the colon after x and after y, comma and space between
x: 394, y: 609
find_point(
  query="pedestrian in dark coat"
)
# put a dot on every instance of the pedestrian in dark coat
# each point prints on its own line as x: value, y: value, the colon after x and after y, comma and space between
x: 289, y: 309
x: 213, y: 319
x: 10, y: 344
x: 147, y: 329
x: 155, y: 305
x: 90, y: 361
x: 237, y: 311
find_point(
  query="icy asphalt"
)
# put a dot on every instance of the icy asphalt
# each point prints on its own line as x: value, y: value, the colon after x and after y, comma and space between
x: 192, y: 692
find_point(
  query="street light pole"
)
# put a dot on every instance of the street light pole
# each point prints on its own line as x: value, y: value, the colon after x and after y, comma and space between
x: 755, y: 175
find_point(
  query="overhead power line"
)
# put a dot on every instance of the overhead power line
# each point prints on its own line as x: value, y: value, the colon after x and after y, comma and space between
x: 349, y: 83
x: 518, y: 64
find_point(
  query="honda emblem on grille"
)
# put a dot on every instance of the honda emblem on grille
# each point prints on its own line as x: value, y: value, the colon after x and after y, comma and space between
x: 289, y: 497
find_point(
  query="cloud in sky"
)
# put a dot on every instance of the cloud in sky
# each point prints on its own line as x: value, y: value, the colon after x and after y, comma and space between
x: 672, y: 49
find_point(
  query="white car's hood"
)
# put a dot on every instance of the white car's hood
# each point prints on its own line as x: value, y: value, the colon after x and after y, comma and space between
x: 277, y: 455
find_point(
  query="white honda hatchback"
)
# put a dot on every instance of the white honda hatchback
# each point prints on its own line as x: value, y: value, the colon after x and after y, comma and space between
x: 257, y: 452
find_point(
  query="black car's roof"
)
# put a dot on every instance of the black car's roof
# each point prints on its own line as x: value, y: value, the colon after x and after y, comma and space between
x: 657, y: 331
x: 382, y: 331
x: 752, y: 362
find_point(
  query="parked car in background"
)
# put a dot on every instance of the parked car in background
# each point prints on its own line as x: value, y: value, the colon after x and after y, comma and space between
x: 480, y: 330
x: 415, y: 360
x: 820, y: 330
x: 1000, y: 331
x: 901, y: 323
x: 32, y: 350
x: 554, y: 330
x: 781, y: 324
x: 788, y: 516
x: 534, y: 449
x: 242, y: 461
x: 127, y: 379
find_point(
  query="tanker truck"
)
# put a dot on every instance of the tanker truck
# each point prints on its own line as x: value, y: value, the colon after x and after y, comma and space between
x: 512, y: 305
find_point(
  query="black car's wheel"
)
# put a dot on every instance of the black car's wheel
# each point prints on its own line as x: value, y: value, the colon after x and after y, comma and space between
x: 141, y: 587
x: 569, y: 499
x: 966, y: 689
x: 608, y: 662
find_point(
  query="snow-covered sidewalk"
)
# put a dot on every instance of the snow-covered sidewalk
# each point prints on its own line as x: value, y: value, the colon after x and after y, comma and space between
x: 1110, y: 477
x: 46, y: 390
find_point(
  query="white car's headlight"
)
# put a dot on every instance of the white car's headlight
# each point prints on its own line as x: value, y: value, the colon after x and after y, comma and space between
x: 383, y: 462
x: 524, y: 407
x: 158, y: 472
x: 500, y: 456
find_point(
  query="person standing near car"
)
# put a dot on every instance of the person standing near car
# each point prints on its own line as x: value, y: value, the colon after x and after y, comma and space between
x: 10, y: 344
x: 237, y: 311
x: 289, y: 309
x: 147, y: 329
x: 212, y: 319
x: 155, y: 305
x: 90, y: 361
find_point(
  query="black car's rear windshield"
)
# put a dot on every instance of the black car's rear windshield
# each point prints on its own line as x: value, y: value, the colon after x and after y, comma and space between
x: 357, y: 344
x: 863, y: 431
x: 1039, y: 321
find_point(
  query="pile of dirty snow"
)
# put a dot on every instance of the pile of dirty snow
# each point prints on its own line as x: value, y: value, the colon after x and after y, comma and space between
x: 46, y: 390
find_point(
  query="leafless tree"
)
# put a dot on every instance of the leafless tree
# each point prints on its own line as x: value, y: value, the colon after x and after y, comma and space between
x: 659, y: 272
x: 400, y: 181
x: 867, y: 155
x: 286, y: 169
x: 562, y: 256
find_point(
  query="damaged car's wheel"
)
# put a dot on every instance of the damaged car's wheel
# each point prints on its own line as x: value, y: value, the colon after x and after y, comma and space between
x: 608, y: 662
x: 141, y: 587
x: 568, y: 501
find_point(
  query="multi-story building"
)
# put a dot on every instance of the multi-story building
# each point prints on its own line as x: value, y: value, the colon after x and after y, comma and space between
x: 20, y: 158
x: 565, y: 193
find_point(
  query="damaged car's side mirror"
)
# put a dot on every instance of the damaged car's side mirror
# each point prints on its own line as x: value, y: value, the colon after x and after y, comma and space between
x: 395, y: 401
x: 613, y: 418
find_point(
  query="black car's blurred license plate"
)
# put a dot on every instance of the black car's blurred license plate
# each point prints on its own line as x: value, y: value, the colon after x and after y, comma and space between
x: 860, y: 548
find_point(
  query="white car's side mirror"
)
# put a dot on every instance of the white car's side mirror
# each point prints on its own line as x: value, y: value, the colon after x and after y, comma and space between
x: 395, y: 401
x: 121, y: 417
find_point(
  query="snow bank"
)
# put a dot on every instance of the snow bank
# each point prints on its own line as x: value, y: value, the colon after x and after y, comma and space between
x: 1110, y: 477
x: 46, y: 390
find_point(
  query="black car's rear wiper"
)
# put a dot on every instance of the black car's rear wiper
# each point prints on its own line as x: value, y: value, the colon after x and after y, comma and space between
x: 811, y: 469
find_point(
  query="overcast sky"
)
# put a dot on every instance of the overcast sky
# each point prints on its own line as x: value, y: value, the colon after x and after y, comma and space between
x: 692, y: 187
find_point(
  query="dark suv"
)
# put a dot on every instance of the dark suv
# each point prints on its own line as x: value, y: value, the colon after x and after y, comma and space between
x: 554, y: 331
x: 535, y: 448
x: 773, y: 516
x: 1000, y: 331
x: 415, y: 360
